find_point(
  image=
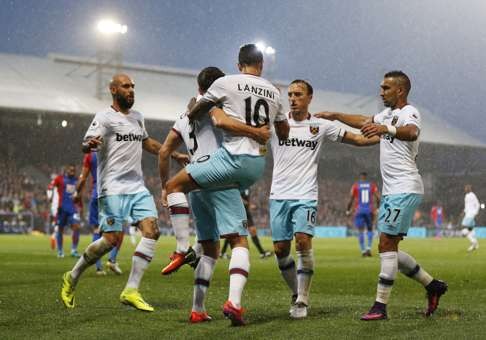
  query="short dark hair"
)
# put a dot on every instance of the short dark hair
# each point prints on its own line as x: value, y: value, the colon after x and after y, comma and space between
x: 403, y: 79
x: 207, y: 76
x: 363, y: 173
x: 250, y: 55
x: 310, y: 90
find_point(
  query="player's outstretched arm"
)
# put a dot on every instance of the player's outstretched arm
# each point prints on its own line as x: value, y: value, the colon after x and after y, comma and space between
x: 353, y: 120
x: 282, y: 129
x: 171, y: 143
x: 223, y: 121
x: 359, y: 140
x: 407, y: 133
x: 151, y: 145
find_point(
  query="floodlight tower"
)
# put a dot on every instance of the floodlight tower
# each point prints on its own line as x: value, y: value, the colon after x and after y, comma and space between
x: 109, y: 54
x: 269, y: 58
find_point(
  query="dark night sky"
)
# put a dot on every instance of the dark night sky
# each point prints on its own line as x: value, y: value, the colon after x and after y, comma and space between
x: 337, y: 45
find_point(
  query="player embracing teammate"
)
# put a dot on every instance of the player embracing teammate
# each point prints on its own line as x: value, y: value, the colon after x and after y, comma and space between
x: 397, y: 129
x: 240, y: 160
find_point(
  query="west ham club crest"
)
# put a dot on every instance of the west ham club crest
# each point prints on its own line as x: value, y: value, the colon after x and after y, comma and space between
x: 314, y: 129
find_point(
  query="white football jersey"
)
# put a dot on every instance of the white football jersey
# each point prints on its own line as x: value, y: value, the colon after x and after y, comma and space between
x: 471, y: 205
x: 397, y: 158
x: 296, y: 159
x: 199, y: 136
x: 250, y: 99
x: 119, y: 167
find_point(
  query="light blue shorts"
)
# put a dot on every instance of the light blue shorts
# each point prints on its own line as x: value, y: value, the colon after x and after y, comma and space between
x: 224, y: 169
x: 288, y: 217
x: 396, y: 213
x: 468, y: 222
x: 114, y: 210
x: 218, y: 214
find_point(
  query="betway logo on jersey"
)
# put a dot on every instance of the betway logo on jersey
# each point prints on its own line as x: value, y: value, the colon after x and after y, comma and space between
x: 299, y: 142
x: 259, y: 91
x: 130, y: 137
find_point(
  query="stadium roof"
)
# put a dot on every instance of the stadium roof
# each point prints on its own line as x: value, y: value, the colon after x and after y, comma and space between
x: 68, y: 84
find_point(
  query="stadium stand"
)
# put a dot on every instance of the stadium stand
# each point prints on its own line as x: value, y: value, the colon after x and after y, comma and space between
x: 38, y: 94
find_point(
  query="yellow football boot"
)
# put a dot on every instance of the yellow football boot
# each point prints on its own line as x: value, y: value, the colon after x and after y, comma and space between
x: 131, y: 297
x: 67, y: 290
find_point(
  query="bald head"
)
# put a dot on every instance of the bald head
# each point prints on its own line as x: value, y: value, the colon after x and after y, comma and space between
x: 122, y: 90
x: 119, y: 78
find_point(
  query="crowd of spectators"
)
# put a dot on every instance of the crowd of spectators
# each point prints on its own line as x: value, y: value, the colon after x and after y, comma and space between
x: 24, y: 203
x: 23, y: 200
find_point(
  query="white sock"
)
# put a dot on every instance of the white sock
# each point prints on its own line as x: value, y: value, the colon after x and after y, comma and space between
x: 305, y: 270
x: 133, y: 235
x: 471, y: 236
x: 408, y: 266
x: 239, y: 267
x: 202, y: 277
x: 140, y: 261
x: 289, y: 273
x: 197, y: 249
x: 93, y: 253
x: 179, y: 217
x: 388, y: 273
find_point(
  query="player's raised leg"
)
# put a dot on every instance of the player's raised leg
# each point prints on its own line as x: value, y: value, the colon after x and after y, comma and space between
x: 435, y: 288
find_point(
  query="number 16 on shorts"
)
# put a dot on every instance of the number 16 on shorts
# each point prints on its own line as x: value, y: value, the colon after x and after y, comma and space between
x: 311, y: 217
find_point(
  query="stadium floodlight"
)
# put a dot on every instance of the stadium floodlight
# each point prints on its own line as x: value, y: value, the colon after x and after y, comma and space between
x: 270, y: 50
x: 261, y: 46
x: 267, y: 50
x: 64, y: 123
x: 110, y: 27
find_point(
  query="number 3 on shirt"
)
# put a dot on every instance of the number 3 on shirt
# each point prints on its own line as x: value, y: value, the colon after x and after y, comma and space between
x: 192, y: 135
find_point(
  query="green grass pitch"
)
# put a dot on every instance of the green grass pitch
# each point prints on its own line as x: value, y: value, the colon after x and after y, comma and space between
x: 343, y: 288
